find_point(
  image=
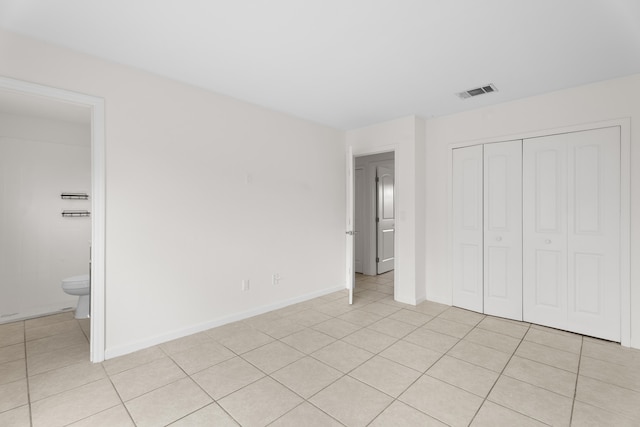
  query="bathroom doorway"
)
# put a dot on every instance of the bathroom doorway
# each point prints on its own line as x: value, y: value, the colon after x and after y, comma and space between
x: 57, y: 124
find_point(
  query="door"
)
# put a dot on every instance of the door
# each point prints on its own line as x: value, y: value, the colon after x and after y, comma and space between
x: 385, y: 218
x: 571, y: 222
x: 503, y: 229
x: 350, y: 275
x: 359, y: 220
x: 468, y: 228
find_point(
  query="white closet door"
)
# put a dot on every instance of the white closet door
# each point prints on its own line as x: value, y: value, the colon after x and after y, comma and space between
x: 571, y: 223
x: 594, y: 233
x: 544, y: 207
x: 503, y: 229
x: 467, y: 228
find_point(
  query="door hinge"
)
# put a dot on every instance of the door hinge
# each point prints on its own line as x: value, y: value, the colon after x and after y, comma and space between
x: 377, y: 219
x: 377, y: 179
x: 377, y: 259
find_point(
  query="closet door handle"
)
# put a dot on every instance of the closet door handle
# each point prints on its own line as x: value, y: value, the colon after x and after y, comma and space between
x: 548, y: 241
x: 498, y: 239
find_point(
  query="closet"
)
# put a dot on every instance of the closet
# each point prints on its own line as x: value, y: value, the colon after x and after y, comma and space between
x: 536, y: 230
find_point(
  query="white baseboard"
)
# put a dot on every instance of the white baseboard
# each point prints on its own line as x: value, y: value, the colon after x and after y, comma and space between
x: 121, y: 350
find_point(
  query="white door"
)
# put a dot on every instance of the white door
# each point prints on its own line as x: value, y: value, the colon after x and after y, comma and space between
x: 594, y: 233
x: 571, y: 222
x: 359, y: 220
x: 503, y: 229
x: 350, y: 275
x: 467, y: 228
x: 385, y: 218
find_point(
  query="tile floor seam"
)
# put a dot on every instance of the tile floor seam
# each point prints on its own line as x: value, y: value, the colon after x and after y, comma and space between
x: 26, y: 372
x: 498, y: 379
x: 575, y: 388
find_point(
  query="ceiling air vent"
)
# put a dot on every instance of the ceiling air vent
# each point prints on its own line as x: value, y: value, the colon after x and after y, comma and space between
x: 477, y: 91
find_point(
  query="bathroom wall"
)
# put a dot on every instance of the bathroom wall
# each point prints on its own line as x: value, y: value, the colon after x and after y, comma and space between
x: 39, y: 159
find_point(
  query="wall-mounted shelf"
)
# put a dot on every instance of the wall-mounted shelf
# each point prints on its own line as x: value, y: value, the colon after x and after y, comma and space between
x: 74, y: 196
x: 73, y: 214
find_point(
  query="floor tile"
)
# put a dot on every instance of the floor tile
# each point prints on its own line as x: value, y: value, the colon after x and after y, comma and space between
x: 411, y: 355
x: 307, y: 376
x: 13, y: 395
x: 48, y: 320
x: 370, y: 340
x: 132, y: 360
x: 336, y: 328
x: 351, y: 402
x: 444, y: 402
x: 529, y: 399
x: 308, y: 317
x: 185, y: 343
x: 411, y: 317
x: 11, y: 333
x: 42, y: 362
x: 305, y: 415
x: 623, y: 376
x: 12, y: 352
x: 480, y: 355
x: 245, y: 340
x: 140, y: 380
x: 202, y: 356
x: 308, y: 340
x: 211, y: 415
x: 268, y: 399
x: 17, y: 417
x: 50, y: 329
x: 360, y: 317
x: 62, y: 379
x: 115, y: 416
x: 380, y: 309
x: 611, y: 352
x: 562, y: 341
x: 74, y: 405
x: 461, y: 315
x: 502, y: 326
x: 608, y: 396
x: 342, y: 356
x: 227, y: 377
x: 56, y: 342
x: 541, y: 375
x: 429, y: 308
x: 549, y: 356
x: 499, y: 342
x: 493, y: 415
x: 391, y: 327
x: 279, y: 328
x: 272, y: 356
x: 591, y: 416
x: 448, y: 327
x: 400, y: 415
x: 168, y: 403
x: 13, y: 371
x: 469, y: 377
x: 385, y: 375
x: 431, y: 340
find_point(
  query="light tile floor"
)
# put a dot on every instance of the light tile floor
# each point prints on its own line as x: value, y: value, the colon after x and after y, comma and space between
x: 324, y: 363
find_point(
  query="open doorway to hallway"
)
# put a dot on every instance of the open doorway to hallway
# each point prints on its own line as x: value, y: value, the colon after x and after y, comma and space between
x: 374, y: 222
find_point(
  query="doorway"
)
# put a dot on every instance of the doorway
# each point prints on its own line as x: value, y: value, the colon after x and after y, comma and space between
x: 95, y: 107
x: 374, y: 222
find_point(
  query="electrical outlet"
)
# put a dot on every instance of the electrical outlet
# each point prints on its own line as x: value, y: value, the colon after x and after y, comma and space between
x: 275, y: 278
x: 245, y: 285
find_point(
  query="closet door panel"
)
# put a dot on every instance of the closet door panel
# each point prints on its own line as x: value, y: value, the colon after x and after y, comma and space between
x: 594, y: 232
x: 467, y: 228
x: 503, y: 229
x: 544, y: 231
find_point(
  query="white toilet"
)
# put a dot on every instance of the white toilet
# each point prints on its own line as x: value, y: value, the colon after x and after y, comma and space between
x: 81, y: 286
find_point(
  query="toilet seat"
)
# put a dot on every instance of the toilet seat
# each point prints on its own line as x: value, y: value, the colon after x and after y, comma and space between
x: 76, y: 283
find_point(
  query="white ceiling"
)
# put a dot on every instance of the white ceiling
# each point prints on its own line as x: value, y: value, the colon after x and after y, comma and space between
x: 351, y: 63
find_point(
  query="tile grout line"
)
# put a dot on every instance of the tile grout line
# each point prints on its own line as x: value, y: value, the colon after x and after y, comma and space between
x: 575, y: 389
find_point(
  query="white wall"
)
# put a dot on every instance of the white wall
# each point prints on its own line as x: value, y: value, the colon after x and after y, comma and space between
x: 592, y: 103
x: 203, y: 191
x: 405, y: 137
x: 40, y: 159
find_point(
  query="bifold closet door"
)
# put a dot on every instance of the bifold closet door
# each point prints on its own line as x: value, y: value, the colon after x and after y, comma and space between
x: 467, y: 208
x: 503, y: 229
x: 571, y: 224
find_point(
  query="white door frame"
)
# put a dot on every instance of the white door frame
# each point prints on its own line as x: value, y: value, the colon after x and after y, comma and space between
x: 97, y: 341
x: 352, y: 153
x: 625, y: 205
